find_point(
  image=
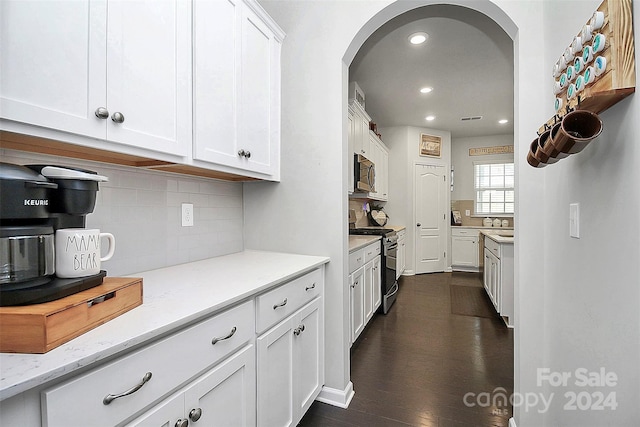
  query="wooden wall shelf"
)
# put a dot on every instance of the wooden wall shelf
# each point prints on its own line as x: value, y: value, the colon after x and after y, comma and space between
x: 619, y: 79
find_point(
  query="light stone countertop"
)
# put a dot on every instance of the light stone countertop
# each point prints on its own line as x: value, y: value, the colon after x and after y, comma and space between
x: 173, y: 297
x: 496, y: 237
x: 357, y: 242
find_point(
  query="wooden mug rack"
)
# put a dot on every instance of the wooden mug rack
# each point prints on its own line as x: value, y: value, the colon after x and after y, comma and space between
x: 619, y: 77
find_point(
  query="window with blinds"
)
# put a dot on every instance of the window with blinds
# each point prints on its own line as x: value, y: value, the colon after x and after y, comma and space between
x: 494, y: 188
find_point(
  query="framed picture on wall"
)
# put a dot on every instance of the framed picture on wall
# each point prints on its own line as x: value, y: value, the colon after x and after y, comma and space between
x: 430, y: 145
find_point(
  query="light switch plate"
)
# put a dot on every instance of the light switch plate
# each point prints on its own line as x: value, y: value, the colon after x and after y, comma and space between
x: 467, y: 212
x: 574, y: 220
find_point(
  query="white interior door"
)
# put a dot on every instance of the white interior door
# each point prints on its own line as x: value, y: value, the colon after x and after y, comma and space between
x: 431, y: 218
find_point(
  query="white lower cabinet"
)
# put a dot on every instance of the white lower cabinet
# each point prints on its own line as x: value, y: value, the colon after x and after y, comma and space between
x: 365, y: 292
x: 464, y: 249
x: 290, y: 367
x: 401, y: 260
x: 224, y: 396
x: 260, y: 362
x: 498, y: 277
x: 356, y: 300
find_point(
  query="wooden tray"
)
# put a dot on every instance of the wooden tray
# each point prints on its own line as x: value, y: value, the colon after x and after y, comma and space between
x: 39, y: 328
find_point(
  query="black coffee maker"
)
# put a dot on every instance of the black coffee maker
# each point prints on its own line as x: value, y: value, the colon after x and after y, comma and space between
x: 35, y: 201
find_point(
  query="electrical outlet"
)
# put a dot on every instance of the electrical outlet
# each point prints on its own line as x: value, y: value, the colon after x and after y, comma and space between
x: 187, y: 215
x: 467, y: 212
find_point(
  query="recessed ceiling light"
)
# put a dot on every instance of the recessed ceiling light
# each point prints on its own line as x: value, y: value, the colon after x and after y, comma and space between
x: 426, y: 89
x: 430, y: 118
x: 418, y: 38
x: 503, y: 121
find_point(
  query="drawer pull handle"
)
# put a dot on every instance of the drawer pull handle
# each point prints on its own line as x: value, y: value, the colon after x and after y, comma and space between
x: 308, y: 288
x: 111, y: 397
x: 100, y: 299
x: 215, y: 340
x: 298, y: 330
x: 282, y: 304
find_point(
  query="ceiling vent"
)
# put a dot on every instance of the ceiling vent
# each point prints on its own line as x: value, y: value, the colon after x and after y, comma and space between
x: 467, y: 119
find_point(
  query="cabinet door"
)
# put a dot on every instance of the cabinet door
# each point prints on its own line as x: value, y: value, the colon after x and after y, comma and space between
x: 308, y: 368
x: 259, y: 104
x: 275, y: 376
x: 368, y: 291
x: 165, y: 414
x: 149, y: 74
x: 377, y: 289
x: 402, y: 257
x: 487, y: 272
x: 357, y: 301
x: 464, y: 251
x: 226, y: 396
x: 53, y: 64
x: 383, y: 175
x: 216, y: 77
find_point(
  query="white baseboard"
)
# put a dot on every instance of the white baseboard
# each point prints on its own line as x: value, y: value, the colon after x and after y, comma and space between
x: 335, y: 397
x: 512, y: 422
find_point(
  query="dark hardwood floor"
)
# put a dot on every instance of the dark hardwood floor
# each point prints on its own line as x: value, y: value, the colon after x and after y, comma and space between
x: 415, y: 365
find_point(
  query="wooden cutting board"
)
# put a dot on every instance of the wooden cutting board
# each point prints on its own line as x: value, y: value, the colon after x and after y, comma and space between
x: 38, y: 328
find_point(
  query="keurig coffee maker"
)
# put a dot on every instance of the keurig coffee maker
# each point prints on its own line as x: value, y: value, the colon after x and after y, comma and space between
x: 35, y: 201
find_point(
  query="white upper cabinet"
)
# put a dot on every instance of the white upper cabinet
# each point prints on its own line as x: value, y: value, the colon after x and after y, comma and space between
x: 149, y: 74
x: 237, y: 86
x: 53, y: 64
x: 113, y: 70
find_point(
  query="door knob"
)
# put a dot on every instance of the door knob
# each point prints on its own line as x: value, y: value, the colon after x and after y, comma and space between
x: 117, y: 117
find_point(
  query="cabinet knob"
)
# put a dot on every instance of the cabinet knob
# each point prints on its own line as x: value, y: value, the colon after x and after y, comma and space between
x: 117, y: 117
x: 418, y: 225
x: 102, y: 113
x: 247, y: 154
x: 195, y: 414
x: 241, y: 153
x: 182, y: 423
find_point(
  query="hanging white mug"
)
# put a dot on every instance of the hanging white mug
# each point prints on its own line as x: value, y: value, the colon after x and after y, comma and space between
x: 78, y: 251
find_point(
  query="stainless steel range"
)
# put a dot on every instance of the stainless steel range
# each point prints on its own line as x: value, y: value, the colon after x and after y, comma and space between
x: 389, y: 253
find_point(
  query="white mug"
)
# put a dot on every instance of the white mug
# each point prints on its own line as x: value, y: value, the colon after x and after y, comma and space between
x: 78, y: 251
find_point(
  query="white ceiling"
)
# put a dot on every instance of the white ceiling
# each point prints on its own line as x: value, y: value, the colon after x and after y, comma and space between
x: 468, y: 60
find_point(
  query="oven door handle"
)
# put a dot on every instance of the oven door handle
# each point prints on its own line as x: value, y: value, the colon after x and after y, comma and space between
x: 394, y: 290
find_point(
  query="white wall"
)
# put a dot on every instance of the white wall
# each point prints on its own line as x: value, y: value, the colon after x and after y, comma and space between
x: 462, y: 162
x: 403, y: 143
x: 307, y: 211
x: 142, y: 210
x: 591, y: 318
x: 322, y: 39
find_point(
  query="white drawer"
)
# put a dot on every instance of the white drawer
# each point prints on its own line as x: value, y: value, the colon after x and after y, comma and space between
x: 282, y: 301
x: 171, y: 362
x: 371, y: 251
x: 356, y: 260
x: 464, y: 232
x: 492, y: 246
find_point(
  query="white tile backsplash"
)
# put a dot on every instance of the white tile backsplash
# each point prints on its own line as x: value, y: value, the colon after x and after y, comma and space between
x: 142, y: 209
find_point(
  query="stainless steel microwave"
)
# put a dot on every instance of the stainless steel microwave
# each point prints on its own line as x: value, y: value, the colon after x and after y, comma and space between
x: 365, y: 174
